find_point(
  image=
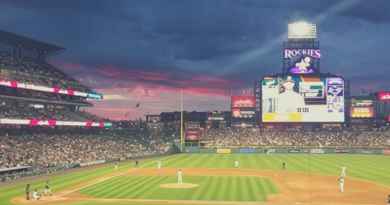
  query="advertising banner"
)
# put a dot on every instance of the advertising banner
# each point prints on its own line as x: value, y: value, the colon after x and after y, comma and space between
x: 55, y: 89
x: 192, y: 134
x: 243, y: 101
x: 247, y: 150
x: 224, y: 151
x: 383, y: 96
x: 317, y: 151
x: 386, y: 152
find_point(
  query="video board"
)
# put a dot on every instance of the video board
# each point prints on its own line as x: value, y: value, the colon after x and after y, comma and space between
x: 303, y: 99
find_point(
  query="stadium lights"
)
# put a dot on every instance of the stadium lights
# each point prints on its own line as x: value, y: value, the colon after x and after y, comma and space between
x: 302, y: 29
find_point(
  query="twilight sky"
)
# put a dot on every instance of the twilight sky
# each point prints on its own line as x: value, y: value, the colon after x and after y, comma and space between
x: 144, y: 51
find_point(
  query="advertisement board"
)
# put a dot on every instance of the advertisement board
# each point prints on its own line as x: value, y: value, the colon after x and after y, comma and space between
x: 224, y: 151
x: 243, y: 101
x: 192, y: 134
x: 383, y: 96
x: 362, y: 108
x: 302, y: 99
x: 362, y: 112
x: 243, y: 107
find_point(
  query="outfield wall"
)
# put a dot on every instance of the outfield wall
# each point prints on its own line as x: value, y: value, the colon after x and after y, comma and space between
x: 287, y: 150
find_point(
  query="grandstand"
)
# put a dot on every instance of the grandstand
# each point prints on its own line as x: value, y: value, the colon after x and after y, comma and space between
x: 36, y: 93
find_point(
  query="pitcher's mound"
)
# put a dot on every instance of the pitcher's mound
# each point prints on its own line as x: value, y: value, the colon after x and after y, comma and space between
x: 179, y: 186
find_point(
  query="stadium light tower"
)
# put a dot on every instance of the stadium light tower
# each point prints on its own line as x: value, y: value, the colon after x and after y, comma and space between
x: 302, y: 29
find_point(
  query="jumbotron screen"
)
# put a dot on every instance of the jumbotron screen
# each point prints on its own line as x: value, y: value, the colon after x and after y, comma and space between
x: 302, y: 99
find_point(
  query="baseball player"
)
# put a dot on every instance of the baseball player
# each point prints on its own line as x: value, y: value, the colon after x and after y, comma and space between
x: 341, y: 184
x: 179, y: 176
x: 343, y: 171
x: 116, y: 166
x: 36, y: 195
x: 236, y: 164
x: 284, y: 165
x: 388, y: 199
x: 27, y: 191
x: 159, y: 163
x: 47, y: 190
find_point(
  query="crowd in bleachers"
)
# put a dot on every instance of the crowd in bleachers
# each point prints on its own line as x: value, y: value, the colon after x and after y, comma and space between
x: 36, y: 72
x: 321, y: 138
x: 46, y: 152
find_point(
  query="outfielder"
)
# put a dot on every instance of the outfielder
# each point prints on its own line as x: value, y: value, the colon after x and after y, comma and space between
x: 179, y: 177
x: 159, y: 164
x: 341, y: 184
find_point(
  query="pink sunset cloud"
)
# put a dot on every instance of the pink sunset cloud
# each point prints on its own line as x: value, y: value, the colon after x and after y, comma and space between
x: 155, y: 91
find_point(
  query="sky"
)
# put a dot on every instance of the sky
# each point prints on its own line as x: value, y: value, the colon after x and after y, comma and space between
x: 145, y: 51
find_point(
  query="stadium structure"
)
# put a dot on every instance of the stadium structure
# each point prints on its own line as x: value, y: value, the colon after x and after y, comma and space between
x: 36, y: 93
x: 299, y: 139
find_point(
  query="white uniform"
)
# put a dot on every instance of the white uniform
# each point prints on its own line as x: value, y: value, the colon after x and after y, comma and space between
x: 341, y: 184
x: 159, y: 165
x: 236, y: 164
x: 35, y: 195
x: 343, y: 171
x: 179, y: 177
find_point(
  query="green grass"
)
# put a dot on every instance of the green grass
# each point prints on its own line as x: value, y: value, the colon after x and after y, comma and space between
x: 221, y: 188
x: 369, y: 167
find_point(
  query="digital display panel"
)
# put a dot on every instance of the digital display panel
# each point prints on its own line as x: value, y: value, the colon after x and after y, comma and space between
x: 303, y: 99
x: 362, y: 108
x: 383, y: 96
x: 243, y: 106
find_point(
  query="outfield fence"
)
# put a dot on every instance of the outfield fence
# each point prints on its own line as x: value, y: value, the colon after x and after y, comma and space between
x: 287, y: 150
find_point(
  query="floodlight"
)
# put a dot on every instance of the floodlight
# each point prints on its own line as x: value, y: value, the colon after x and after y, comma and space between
x: 302, y: 29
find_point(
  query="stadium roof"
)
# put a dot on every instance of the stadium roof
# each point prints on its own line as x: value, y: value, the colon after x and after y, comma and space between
x: 28, y: 43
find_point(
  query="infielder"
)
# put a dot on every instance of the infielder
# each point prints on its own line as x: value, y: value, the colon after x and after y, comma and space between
x: 236, y: 164
x: 341, y: 184
x: 179, y: 177
x: 159, y: 163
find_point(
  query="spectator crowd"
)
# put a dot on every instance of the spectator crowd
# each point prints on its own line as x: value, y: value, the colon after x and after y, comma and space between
x: 226, y: 137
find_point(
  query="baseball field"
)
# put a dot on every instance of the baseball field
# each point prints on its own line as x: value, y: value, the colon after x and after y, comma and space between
x: 213, y: 179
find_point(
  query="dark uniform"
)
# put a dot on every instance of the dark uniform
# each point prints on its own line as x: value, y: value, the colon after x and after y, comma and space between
x: 284, y: 165
x: 28, y: 192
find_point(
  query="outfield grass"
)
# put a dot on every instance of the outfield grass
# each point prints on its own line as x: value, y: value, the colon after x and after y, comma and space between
x: 369, y: 167
x: 221, y: 188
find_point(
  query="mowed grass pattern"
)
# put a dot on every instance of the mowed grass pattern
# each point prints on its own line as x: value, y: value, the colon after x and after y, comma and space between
x: 220, y: 188
x: 369, y: 167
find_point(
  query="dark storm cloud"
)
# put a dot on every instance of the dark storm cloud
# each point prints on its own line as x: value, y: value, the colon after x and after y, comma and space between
x: 225, y: 38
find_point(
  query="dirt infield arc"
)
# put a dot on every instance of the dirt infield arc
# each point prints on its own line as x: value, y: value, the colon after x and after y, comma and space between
x: 294, y: 188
